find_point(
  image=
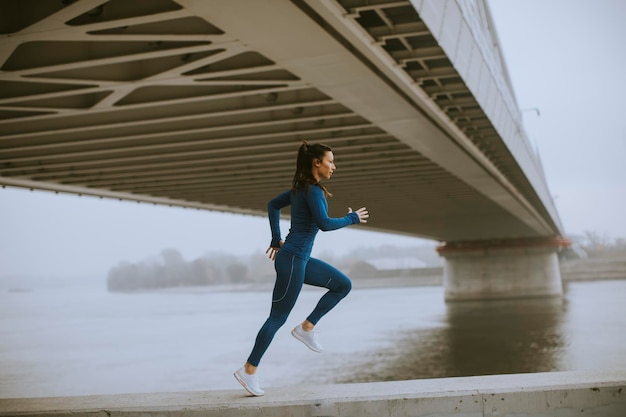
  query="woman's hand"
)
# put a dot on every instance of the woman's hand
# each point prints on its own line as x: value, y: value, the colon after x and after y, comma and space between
x: 362, y: 213
x: 272, y: 251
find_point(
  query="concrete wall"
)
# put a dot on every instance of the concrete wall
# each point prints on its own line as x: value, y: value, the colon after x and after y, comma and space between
x: 562, y: 394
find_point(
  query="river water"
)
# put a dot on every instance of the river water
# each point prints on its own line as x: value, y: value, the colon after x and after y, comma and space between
x: 83, y: 341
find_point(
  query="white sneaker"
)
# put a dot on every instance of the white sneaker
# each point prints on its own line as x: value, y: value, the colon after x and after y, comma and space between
x: 308, y: 338
x: 249, y: 382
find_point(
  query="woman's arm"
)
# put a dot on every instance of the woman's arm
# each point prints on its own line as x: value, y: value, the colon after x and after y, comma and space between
x: 273, y: 213
x: 319, y: 209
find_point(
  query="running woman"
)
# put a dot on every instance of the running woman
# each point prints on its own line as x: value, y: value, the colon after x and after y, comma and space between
x: 292, y: 261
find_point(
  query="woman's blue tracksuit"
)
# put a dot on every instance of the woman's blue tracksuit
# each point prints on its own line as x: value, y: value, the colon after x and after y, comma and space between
x: 293, y: 264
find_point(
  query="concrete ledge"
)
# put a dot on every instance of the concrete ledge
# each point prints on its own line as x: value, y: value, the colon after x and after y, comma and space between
x: 589, y: 393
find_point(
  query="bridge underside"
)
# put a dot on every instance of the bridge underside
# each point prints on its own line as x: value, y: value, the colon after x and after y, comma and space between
x: 204, y: 103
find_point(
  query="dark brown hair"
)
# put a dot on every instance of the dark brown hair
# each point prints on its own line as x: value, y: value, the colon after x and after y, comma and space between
x: 303, y: 177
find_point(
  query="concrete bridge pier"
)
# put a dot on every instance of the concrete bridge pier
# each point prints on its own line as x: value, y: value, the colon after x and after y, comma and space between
x: 502, y: 269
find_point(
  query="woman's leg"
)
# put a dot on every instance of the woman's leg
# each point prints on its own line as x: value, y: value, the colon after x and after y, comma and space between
x: 290, y: 271
x: 321, y: 274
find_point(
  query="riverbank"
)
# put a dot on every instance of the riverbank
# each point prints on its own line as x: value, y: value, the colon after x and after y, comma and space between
x: 575, y: 270
x: 593, y: 269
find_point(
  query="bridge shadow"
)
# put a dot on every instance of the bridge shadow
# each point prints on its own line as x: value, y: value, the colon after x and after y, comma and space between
x: 476, y: 338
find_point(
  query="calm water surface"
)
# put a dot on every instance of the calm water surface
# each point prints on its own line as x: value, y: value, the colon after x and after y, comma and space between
x: 57, y: 342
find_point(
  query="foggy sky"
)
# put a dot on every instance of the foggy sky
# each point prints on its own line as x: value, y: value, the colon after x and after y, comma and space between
x: 567, y: 59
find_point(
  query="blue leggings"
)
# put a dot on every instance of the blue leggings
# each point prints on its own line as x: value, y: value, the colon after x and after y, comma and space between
x: 291, y: 273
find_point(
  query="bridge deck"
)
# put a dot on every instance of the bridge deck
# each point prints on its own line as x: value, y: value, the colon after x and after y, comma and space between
x: 203, y: 104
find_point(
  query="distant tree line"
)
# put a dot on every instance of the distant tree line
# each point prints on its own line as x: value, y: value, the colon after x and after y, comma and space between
x: 170, y: 269
x: 594, y: 245
x: 599, y: 241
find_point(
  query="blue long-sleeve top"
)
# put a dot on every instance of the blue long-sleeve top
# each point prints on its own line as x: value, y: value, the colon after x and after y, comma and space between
x: 309, y: 214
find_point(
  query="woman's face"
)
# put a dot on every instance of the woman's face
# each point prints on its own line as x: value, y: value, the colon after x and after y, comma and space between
x: 323, y: 169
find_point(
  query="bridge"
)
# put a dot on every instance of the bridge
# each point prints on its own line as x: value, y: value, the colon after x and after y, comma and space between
x: 204, y: 103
